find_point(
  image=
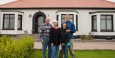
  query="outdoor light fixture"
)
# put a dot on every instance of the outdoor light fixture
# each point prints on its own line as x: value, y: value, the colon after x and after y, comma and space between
x: 30, y: 15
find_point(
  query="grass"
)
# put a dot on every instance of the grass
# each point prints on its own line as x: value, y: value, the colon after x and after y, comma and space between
x: 82, y: 54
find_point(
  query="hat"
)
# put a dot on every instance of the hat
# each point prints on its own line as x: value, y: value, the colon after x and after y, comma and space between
x: 55, y: 21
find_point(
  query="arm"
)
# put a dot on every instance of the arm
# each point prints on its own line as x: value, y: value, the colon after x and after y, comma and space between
x: 50, y: 35
x: 72, y: 28
x: 41, y: 32
x: 67, y: 38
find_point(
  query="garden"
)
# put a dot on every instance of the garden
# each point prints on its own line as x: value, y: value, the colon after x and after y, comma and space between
x: 23, y: 48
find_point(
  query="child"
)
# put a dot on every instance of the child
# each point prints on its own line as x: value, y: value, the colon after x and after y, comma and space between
x: 64, y: 40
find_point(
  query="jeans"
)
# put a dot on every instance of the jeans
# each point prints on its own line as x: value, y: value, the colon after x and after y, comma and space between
x: 55, y: 50
x: 44, y: 47
x: 65, y: 51
x: 70, y: 49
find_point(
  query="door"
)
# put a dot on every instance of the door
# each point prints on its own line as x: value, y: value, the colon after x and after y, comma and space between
x: 38, y: 22
x: 38, y: 19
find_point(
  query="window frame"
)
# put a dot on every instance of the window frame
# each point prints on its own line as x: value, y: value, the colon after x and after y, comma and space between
x: 92, y: 21
x: 112, y: 30
x: 9, y: 22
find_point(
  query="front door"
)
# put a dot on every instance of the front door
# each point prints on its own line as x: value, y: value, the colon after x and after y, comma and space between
x: 38, y: 19
x: 38, y: 22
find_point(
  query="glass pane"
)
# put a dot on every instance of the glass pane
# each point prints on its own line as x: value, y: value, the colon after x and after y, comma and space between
x: 19, y: 22
x: 40, y: 21
x: 19, y: 16
x: 103, y: 17
x: 6, y: 16
x: 12, y: 23
x: 71, y: 16
x: 12, y: 16
x: 94, y: 24
x: 94, y: 17
x: 6, y: 23
x: 63, y: 20
x: 63, y: 16
x: 103, y: 24
x: 109, y: 17
x: 71, y: 20
x: 109, y: 25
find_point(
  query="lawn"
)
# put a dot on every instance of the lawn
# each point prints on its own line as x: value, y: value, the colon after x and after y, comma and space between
x: 82, y: 54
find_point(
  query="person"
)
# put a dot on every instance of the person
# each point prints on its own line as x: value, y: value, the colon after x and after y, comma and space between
x: 71, y: 29
x: 44, y: 36
x: 65, y: 40
x: 54, y: 35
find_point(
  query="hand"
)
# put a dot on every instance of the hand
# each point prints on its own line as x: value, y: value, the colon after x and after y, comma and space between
x: 63, y: 44
x: 41, y: 40
x: 68, y: 30
x: 52, y: 44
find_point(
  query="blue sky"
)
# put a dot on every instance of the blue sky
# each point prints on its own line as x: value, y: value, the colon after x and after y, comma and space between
x: 7, y: 1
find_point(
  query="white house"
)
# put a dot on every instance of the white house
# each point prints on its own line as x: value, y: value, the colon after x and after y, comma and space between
x: 89, y: 16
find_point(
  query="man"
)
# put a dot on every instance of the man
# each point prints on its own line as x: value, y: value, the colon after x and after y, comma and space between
x: 44, y: 35
x: 71, y: 29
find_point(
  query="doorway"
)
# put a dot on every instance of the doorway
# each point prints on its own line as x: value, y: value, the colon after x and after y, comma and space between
x: 38, y: 19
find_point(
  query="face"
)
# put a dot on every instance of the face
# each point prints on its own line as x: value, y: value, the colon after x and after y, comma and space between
x: 67, y: 18
x: 47, y: 20
x: 64, y: 26
x: 55, y: 23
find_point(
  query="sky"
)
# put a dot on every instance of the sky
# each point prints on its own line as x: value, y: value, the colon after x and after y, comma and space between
x: 7, y: 1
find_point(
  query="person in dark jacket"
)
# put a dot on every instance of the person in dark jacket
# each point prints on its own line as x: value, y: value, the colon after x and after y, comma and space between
x: 65, y: 40
x: 54, y: 39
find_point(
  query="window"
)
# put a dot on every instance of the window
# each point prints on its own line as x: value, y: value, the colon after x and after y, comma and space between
x: 8, y: 21
x: 63, y: 18
x: 94, y: 23
x: 19, y: 22
x: 106, y: 23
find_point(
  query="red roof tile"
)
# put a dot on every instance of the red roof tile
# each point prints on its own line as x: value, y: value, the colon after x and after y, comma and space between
x: 59, y: 4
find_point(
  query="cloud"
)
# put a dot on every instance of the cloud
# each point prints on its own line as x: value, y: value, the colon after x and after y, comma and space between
x: 6, y: 1
x: 111, y: 0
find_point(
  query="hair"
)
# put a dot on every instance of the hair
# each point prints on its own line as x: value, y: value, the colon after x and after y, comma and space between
x: 62, y: 25
x: 47, y: 19
x: 67, y: 15
x: 56, y: 22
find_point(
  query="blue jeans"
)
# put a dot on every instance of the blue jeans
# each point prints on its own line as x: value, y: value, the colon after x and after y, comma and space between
x: 55, y: 50
x: 44, y: 47
x: 65, y: 51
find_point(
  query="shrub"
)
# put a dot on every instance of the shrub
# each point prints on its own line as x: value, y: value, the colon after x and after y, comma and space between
x: 20, y: 48
x: 86, y: 37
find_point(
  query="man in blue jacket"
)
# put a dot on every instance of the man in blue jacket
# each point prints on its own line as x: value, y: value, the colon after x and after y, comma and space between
x: 71, y: 29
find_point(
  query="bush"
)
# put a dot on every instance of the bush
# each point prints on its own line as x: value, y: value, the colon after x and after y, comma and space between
x: 86, y: 37
x: 20, y: 48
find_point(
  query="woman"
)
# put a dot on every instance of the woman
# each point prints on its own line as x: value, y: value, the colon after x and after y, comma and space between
x: 54, y: 35
x: 65, y: 40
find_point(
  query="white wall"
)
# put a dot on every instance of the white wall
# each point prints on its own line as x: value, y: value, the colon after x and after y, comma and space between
x: 84, y: 20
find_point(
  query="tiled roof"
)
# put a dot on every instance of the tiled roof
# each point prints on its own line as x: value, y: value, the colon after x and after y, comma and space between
x: 59, y: 4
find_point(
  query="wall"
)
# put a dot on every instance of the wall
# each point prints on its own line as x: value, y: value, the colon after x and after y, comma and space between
x: 84, y: 20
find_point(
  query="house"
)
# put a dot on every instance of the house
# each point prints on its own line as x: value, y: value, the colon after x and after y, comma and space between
x: 96, y: 17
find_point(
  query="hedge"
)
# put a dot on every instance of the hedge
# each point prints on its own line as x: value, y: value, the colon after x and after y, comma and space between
x: 19, y: 48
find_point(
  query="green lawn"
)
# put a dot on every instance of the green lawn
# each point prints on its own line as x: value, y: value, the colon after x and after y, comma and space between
x: 82, y: 54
